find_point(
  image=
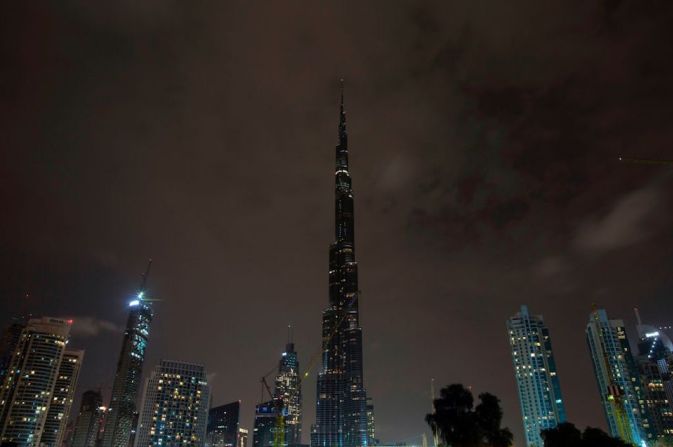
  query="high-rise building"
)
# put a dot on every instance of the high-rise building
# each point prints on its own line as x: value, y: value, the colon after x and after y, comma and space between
x: 175, y: 406
x: 29, y: 383
x: 268, y: 428
x: 126, y: 385
x: 62, y: 399
x: 617, y: 378
x: 341, y: 413
x: 89, y: 420
x: 371, y: 423
x: 288, y: 390
x: 8, y: 344
x: 536, y: 376
x: 655, y: 352
x: 223, y: 425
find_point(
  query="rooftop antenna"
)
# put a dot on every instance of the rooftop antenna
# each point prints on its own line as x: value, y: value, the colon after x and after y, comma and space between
x: 289, y: 334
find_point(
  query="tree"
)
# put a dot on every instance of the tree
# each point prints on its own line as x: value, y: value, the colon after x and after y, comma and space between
x: 567, y: 435
x: 459, y: 424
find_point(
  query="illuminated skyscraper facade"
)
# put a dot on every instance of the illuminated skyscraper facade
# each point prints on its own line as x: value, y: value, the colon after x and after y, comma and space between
x: 223, y: 425
x: 62, y: 399
x: 341, y: 413
x: 536, y: 376
x: 174, y: 412
x: 126, y: 386
x: 655, y: 354
x: 30, y: 380
x: 89, y: 419
x: 617, y: 377
x: 267, y: 429
x: 288, y: 390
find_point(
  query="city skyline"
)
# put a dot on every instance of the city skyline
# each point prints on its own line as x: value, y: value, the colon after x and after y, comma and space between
x: 485, y: 150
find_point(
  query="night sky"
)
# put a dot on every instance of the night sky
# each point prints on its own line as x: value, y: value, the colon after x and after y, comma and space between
x: 483, y: 135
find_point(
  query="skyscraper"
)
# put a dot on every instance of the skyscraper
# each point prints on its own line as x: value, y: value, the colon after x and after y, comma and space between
x: 617, y: 378
x: 655, y: 353
x: 536, y: 376
x: 175, y: 406
x: 371, y: 423
x: 89, y: 420
x: 223, y: 425
x: 61, y: 401
x: 29, y: 383
x: 8, y: 344
x: 267, y: 430
x: 119, y: 419
x: 288, y: 390
x: 341, y: 414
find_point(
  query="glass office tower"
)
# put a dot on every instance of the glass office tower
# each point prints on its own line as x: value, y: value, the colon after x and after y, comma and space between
x: 617, y: 377
x: 31, y: 377
x: 126, y: 386
x: 536, y: 376
x: 175, y: 406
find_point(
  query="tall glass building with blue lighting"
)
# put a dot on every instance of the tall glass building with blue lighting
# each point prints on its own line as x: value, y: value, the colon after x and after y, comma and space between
x: 618, y: 380
x: 536, y: 376
x: 126, y: 386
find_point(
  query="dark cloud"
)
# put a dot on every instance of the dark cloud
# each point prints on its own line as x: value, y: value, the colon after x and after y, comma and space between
x: 484, y: 140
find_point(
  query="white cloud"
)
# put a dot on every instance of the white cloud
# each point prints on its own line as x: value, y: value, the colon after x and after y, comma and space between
x: 624, y: 225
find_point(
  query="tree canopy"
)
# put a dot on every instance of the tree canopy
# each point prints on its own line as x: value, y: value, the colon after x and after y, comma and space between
x: 459, y: 424
x: 567, y: 435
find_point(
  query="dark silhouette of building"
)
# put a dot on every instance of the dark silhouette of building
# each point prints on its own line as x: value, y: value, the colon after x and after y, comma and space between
x: 89, y: 420
x: 126, y: 386
x: 341, y: 413
x: 223, y: 425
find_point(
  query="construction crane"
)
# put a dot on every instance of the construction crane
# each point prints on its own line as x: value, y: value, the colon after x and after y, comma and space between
x: 278, y: 404
x: 645, y: 161
x: 143, y: 285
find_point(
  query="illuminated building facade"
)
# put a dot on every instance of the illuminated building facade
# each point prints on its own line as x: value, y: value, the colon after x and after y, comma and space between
x: 8, y: 344
x: 175, y: 406
x: 371, y: 423
x: 655, y: 351
x: 536, y: 376
x: 62, y: 398
x: 288, y: 390
x: 223, y: 425
x: 126, y: 386
x: 266, y: 429
x: 89, y: 420
x: 341, y: 413
x: 618, y: 380
x: 31, y: 377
